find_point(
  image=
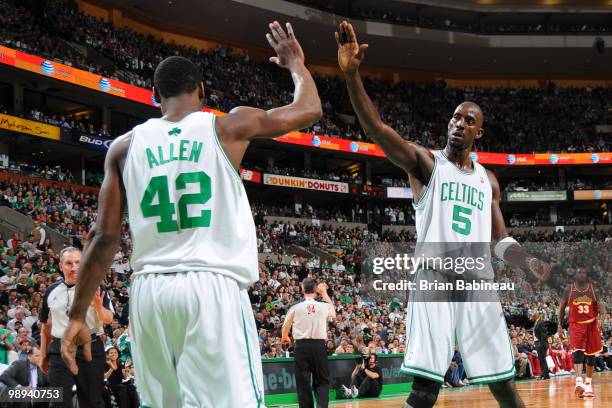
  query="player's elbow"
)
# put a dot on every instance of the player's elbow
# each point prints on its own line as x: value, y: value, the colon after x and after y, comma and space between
x: 312, y: 115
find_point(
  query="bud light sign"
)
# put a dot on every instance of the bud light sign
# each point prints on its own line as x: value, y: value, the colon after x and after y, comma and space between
x: 101, y: 144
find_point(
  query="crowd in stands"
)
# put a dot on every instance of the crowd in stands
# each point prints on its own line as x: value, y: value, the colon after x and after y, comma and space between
x: 363, y: 324
x: 541, y: 184
x: 543, y: 220
x: 533, y: 185
x: 587, y: 184
x: 382, y: 215
x: 82, y: 124
x: 406, y: 14
x: 417, y: 111
x: 516, y: 120
x: 55, y: 173
x: 329, y: 253
x: 22, y: 27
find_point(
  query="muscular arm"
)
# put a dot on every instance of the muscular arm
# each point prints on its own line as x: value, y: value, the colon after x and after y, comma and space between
x: 244, y: 123
x: 514, y: 255
x: 413, y: 158
x: 99, y: 253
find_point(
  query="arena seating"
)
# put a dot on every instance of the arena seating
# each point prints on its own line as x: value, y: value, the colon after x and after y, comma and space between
x: 516, y: 119
x: 28, y: 267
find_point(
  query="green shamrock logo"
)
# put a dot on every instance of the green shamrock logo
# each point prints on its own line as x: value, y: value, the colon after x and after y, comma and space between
x: 174, y: 132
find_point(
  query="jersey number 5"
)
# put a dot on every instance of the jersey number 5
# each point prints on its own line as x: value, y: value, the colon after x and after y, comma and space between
x: 166, y: 209
x: 461, y: 223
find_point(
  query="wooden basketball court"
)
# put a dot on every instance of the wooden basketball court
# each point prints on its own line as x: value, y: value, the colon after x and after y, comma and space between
x: 557, y: 393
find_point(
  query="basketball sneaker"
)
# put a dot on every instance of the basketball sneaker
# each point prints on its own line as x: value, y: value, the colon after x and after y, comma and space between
x: 579, y: 390
x: 588, y: 391
x: 355, y: 392
x: 347, y: 392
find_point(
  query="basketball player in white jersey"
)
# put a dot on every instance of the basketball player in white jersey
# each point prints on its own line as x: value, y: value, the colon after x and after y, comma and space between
x: 456, y: 200
x: 192, y: 327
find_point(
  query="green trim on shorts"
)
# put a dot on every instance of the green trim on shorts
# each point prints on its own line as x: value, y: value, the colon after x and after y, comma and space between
x: 488, y: 378
x: 420, y: 372
x: 246, y: 339
x: 491, y: 375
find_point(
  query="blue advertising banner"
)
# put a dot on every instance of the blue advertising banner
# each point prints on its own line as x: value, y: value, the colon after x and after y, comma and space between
x: 98, y: 143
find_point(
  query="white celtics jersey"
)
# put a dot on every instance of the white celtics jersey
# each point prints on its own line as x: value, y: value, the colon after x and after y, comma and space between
x: 187, y: 205
x: 456, y: 204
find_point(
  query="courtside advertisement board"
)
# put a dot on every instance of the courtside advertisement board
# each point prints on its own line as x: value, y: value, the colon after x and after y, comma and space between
x: 536, y: 195
x: 310, y: 184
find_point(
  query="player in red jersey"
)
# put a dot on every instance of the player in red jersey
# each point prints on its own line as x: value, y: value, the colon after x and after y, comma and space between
x: 585, y: 313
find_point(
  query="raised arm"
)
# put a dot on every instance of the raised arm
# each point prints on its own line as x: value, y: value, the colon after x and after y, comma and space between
x: 244, y: 123
x: 413, y: 158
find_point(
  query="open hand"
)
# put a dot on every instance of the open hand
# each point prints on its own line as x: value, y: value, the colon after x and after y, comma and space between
x: 350, y: 52
x: 97, y: 300
x: 77, y: 334
x: 540, y: 269
x: 289, y: 53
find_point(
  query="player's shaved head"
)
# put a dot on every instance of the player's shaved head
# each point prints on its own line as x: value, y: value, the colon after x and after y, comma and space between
x: 474, y: 108
x: 465, y: 126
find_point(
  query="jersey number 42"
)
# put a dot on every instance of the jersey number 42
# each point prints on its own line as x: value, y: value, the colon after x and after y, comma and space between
x: 166, y: 209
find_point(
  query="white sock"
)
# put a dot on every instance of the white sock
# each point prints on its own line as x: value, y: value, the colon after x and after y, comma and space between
x: 578, y: 379
x: 587, y: 381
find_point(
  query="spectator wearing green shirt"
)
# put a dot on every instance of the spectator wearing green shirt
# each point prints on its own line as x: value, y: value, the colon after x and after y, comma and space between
x: 7, y: 344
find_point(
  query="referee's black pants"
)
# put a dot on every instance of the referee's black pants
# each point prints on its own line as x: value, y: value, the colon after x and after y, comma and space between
x: 89, y: 380
x: 311, y: 359
x: 542, y: 349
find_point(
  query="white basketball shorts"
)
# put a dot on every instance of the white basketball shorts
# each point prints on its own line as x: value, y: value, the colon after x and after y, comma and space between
x: 194, y: 342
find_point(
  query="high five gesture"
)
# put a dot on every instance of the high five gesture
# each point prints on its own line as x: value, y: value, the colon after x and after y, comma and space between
x: 288, y: 49
x: 350, y: 52
x: 414, y: 159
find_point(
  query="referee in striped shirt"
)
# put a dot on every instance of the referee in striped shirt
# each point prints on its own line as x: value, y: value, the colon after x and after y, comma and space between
x: 309, y: 320
x: 54, y: 318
